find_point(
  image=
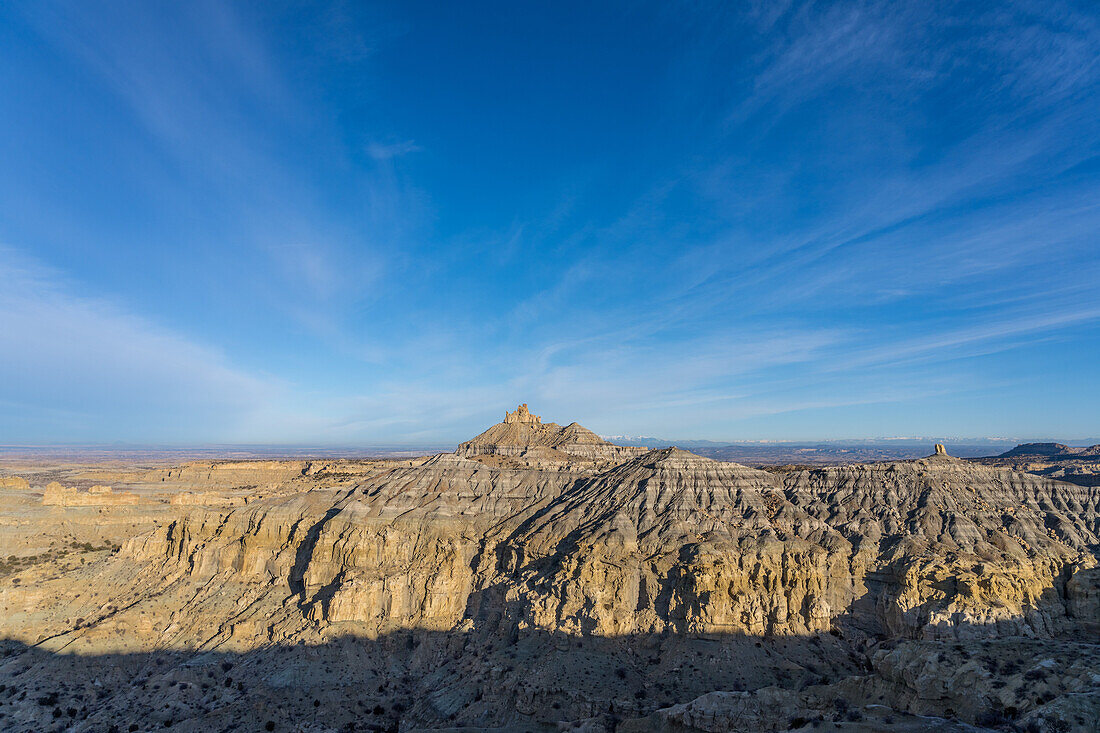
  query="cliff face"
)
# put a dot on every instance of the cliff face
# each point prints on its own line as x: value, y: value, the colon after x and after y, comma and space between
x: 961, y: 548
x: 665, y: 542
x: 670, y: 541
x: 665, y: 546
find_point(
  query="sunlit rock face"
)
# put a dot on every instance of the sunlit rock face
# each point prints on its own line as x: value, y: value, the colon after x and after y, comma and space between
x: 654, y: 589
x: 523, y: 434
x: 670, y: 541
x: 960, y: 548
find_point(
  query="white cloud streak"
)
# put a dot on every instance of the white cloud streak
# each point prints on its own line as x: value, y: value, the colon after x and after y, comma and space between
x: 109, y: 372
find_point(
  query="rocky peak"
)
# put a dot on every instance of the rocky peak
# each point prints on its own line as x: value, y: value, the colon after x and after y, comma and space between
x: 940, y: 455
x: 521, y: 432
x: 522, y: 415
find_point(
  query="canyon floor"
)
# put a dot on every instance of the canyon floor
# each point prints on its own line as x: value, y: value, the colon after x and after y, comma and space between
x: 542, y: 579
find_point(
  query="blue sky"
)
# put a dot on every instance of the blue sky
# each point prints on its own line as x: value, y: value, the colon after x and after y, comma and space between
x: 265, y: 222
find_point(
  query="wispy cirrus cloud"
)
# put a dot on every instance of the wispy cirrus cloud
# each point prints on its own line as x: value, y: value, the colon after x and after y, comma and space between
x: 387, y: 151
x: 77, y: 364
x: 731, y: 218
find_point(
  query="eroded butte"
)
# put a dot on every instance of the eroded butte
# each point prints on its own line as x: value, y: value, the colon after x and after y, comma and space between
x: 542, y: 579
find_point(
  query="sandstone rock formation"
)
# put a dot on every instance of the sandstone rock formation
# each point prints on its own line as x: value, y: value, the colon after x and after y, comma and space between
x: 643, y: 590
x: 523, y: 434
x: 57, y: 495
x: 522, y: 414
x: 14, y: 482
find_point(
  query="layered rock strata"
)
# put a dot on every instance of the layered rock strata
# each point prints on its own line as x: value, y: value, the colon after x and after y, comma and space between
x: 826, y: 584
x: 521, y: 433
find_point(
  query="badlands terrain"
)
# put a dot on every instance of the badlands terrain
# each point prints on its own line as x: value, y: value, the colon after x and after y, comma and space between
x: 542, y: 579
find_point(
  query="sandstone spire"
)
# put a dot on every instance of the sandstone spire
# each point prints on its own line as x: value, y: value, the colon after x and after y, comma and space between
x: 522, y: 414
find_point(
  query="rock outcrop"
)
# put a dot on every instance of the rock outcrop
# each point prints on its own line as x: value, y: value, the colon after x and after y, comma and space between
x: 57, y: 495
x: 522, y: 434
x: 14, y: 482
x: 521, y: 415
